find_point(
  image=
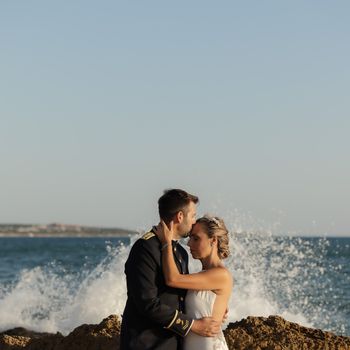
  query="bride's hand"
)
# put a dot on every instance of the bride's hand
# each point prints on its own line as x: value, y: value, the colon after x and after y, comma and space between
x: 164, y: 233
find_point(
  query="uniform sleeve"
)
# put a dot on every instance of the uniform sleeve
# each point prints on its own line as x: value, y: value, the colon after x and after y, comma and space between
x: 141, y: 273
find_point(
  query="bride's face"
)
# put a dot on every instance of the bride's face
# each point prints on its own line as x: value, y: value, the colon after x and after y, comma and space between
x: 199, y: 242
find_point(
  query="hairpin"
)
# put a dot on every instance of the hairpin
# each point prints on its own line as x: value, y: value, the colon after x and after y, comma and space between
x: 214, y: 220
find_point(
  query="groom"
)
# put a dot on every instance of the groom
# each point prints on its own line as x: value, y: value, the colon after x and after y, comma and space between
x: 154, y: 316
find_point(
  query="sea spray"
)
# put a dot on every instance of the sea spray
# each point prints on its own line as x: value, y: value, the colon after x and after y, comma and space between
x: 50, y: 299
x: 286, y: 276
x: 292, y: 277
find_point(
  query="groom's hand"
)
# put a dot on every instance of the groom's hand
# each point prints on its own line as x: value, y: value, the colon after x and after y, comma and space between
x: 206, y: 327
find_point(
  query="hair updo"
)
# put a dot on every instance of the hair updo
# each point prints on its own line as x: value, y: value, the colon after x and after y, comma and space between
x: 215, y: 227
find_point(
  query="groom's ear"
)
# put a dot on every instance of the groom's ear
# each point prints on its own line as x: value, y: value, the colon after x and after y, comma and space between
x: 179, y: 217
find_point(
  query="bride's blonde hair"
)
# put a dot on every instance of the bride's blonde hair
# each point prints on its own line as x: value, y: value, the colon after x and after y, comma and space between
x: 215, y: 227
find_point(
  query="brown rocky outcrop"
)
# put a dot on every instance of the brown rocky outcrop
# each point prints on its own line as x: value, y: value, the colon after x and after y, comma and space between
x: 275, y: 333
x: 251, y: 333
x: 21, y: 338
x: 103, y: 336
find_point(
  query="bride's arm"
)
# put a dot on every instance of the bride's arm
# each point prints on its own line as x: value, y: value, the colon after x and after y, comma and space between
x: 215, y: 278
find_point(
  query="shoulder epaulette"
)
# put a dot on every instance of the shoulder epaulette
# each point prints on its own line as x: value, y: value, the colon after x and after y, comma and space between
x: 148, y: 235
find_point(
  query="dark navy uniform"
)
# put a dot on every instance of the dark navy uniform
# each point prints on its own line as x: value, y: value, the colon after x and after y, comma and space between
x: 154, y: 316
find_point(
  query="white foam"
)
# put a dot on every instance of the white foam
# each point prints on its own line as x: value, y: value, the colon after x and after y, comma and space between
x: 46, y: 301
x: 271, y: 277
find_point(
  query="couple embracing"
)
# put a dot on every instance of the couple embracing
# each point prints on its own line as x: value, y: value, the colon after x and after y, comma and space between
x: 168, y: 308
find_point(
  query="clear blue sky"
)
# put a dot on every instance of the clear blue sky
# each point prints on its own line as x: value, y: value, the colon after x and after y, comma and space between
x: 104, y: 104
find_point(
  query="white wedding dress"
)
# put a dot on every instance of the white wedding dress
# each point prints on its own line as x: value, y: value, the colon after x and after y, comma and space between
x: 200, y: 304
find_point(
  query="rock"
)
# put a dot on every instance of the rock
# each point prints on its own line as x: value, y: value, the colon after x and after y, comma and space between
x: 104, y: 336
x: 252, y: 333
x: 275, y: 333
x: 21, y: 338
x: 8, y: 342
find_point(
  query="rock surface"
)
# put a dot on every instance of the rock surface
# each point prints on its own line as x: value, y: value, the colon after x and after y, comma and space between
x: 275, y: 333
x: 252, y: 333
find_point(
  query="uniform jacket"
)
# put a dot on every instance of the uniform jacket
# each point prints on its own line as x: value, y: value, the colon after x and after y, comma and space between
x: 154, y: 316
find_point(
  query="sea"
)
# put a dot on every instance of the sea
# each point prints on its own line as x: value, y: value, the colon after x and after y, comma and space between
x: 57, y: 284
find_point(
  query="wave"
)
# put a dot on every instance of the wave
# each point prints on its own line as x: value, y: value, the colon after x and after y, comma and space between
x: 290, y: 277
x: 48, y: 299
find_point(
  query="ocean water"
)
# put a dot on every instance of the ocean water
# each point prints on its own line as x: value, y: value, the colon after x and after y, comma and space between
x: 57, y: 284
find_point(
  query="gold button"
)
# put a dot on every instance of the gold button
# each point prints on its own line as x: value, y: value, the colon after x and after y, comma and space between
x: 181, y: 298
x: 175, y: 249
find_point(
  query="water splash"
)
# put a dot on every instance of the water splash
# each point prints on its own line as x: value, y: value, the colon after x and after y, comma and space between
x: 49, y: 299
x: 291, y: 277
x: 287, y: 276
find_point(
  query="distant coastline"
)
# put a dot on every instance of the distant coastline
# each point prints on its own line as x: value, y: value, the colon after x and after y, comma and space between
x: 59, y: 230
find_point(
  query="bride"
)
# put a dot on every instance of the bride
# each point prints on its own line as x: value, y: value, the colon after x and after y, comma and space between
x: 209, y: 290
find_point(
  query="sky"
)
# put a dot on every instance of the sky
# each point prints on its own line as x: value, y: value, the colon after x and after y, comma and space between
x: 244, y: 103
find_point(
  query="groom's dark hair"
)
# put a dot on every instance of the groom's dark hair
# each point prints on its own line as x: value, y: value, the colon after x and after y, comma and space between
x: 172, y: 201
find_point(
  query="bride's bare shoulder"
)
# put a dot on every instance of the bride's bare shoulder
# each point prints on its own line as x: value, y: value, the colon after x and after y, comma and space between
x: 222, y: 272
